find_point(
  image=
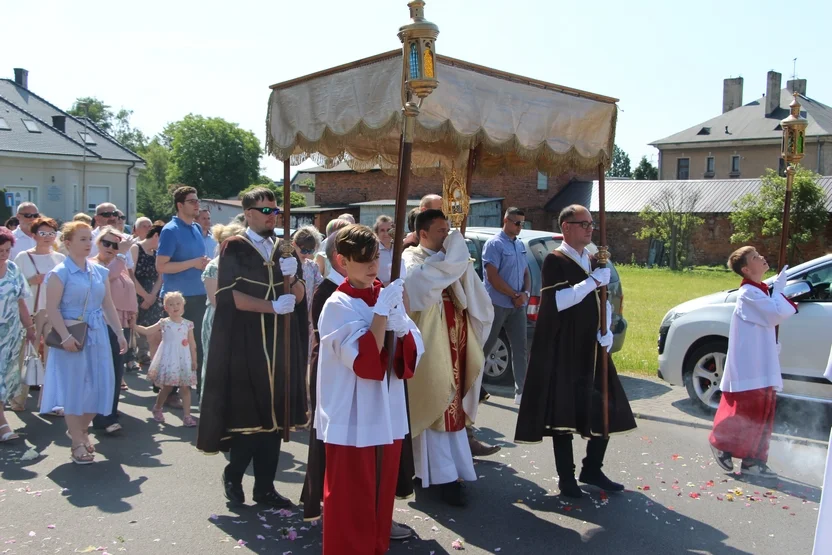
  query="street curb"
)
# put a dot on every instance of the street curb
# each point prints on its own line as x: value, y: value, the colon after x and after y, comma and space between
x: 774, y: 436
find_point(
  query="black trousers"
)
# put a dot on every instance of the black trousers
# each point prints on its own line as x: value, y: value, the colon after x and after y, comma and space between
x: 263, y: 450
x: 596, y: 447
x: 195, y: 312
x: 102, y: 421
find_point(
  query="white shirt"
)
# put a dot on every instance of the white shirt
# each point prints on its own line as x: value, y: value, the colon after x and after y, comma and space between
x: 44, y: 263
x: 335, y: 277
x: 752, y: 361
x: 355, y: 411
x: 263, y: 244
x: 22, y: 242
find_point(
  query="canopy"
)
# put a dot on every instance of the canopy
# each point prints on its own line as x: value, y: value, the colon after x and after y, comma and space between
x: 353, y: 114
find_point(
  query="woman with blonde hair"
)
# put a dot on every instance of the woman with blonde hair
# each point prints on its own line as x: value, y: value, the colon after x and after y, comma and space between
x: 82, y: 366
x: 220, y: 233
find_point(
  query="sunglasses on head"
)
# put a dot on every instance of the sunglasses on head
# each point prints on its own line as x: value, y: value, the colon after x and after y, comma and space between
x: 107, y: 214
x: 109, y: 244
x: 31, y: 216
x: 265, y: 210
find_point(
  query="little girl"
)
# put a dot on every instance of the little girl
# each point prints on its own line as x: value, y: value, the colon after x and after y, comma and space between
x: 174, y: 364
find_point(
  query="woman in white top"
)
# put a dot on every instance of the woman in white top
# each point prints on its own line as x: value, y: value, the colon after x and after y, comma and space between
x: 35, y: 264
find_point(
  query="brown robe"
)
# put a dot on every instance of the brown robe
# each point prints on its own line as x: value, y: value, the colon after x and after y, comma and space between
x: 562, y: 393
x: 244, y: 375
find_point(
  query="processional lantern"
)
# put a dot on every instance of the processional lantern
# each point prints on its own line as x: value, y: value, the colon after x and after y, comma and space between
x: 419, y: 51
x: 794, y: 134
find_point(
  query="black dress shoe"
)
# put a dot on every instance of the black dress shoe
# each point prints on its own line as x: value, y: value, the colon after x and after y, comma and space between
x: 453, y: 494
x: 570, y: 488
x: 272, y: 499
x: 600, y: 480
x: 233, y: 492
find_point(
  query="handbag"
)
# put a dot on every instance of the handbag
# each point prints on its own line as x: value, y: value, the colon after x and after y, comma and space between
x: 33, y: 370
x: 76, y: 328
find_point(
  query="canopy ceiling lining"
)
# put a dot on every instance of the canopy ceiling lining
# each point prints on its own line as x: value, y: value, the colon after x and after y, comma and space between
x: 353, y: 114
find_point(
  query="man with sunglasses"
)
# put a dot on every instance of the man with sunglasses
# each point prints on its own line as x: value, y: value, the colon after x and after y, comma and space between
x: 508, y: 283
x: 180, y: 259
x: 564, y: 377
x: 23, y: 237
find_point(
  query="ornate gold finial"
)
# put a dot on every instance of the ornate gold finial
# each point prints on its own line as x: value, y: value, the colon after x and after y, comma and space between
x: 455, y: 201
x: 286, y: 248
x: 603, y: 255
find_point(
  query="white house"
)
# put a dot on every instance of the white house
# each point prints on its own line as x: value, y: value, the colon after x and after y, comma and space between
x: 62, y: 163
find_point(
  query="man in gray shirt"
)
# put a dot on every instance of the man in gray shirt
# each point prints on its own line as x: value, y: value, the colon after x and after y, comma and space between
x: 508, y: 282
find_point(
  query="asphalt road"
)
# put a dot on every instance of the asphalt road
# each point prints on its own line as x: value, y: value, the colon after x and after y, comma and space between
x: 152, y: 492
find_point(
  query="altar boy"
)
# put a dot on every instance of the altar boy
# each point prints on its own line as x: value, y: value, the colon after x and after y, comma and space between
x: 359, y: 405
x: 751, y: 378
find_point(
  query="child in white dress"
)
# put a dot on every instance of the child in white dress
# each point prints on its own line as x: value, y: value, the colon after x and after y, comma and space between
x: 174, y: 364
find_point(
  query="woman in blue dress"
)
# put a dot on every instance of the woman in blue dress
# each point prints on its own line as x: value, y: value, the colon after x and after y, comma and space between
x: 75, y: 290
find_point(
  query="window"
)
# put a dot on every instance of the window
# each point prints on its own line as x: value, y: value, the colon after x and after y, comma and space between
x: 709, y: 166
x: 31, y: 125
x: 3, y: 125
x: 820, y: 279
x: 87, y: 138
x: 542, y: 181
x: 683, y: 168
x: 735, y: 165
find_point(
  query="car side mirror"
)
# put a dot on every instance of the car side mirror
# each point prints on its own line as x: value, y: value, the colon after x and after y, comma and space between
x: 797, y: 290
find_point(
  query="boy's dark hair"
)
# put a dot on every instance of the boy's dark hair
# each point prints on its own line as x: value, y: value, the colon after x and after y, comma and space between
x: 180, y: 194
x: 357, y: 243
x: 254, y: 196
x: 411, y: 219
x: 739, y: 259
x: 426, y: 218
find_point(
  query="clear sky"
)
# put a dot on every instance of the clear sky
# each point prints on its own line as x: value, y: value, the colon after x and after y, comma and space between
x: 665, y: 60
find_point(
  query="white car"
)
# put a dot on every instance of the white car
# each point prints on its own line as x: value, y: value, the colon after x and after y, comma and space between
x: 693, y: 338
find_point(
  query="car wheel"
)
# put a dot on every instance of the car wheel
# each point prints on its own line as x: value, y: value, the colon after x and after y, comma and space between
x: 498, y: 368
x: 703, y: 372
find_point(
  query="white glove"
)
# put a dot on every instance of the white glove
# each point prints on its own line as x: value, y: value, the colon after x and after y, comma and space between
x: 602, y: 276
x: 389, y: 297
x: 397, y: 322
x: 289, y: 266
x: 285, y: 304
x: 605, y: 340
x: 780, y: 282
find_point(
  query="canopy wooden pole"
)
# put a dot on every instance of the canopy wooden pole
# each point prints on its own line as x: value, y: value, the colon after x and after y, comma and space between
x: 787, y: 206
x: 286, y: 251
x: 469, y: 175
x: 603, y: 257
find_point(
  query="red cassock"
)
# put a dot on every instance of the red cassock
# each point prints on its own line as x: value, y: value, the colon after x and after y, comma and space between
x: 743, y: 423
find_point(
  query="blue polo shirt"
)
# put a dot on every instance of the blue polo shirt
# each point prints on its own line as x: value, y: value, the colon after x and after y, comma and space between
x: 182, y: 242
x: 509, y: 257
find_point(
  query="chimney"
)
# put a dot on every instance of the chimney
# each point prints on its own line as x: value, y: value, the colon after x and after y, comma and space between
x: 731, y: 94
x: 59, y: 123
x: 797, y: 86
x: 21, y: 77
x: 772, y: 92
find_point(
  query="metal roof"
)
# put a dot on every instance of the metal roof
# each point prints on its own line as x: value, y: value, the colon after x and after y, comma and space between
x: 750, y: 122
x: 415, y: 202
x: 106, y: 147
x: 715, y: 195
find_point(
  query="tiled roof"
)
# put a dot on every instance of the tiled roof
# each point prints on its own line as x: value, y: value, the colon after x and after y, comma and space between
x: 48, y: 141
x: 715, y: 196
x: 106, y: 147
x: 750, y: 122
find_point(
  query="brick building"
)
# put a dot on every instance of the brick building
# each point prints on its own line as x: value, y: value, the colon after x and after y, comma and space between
x: 711, y: 243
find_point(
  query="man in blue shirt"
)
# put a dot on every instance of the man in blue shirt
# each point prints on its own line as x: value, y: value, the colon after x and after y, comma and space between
x: 508, y: 283
x: 204, y: 221
x: 180, y: 259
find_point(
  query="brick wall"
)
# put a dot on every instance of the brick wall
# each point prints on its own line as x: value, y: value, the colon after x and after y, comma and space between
x: 520, y: 191
x: 711, y: 242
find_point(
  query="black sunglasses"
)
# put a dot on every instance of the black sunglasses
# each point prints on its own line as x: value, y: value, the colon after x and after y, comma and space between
x: 31, y: 216
x: 306, y: 251
x: 518, y: 223
x: 107, y: 214
x: 265, y: 210
x: 122, y: 218
x: 109, y: 244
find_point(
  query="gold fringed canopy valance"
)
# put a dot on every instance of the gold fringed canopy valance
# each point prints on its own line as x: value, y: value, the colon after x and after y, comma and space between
x: 353, y: 114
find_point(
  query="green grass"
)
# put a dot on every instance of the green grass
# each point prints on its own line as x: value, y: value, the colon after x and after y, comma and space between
x: 648, y: 295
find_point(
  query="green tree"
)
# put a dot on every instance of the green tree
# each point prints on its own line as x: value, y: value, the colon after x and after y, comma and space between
x: 670, y: 217
x: 126, y: 134
x: 216, y: 157
x: 94, y: 109
x: 761, y: 214
x: 645, y: 170
x: 296, y: 200
x: 620, y: 164
x: 309, y: 183
x: 153, y: 196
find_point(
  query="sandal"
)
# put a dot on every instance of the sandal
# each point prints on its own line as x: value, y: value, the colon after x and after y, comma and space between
x: 56, y: 411
x: 189, y: 422
x: 8, y: 436
x: 113, y: 428
x: 87, y: 444
x: 84, y: 458
x: 158, y: 415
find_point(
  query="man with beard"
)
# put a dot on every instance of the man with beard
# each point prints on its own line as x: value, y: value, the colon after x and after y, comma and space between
x: 562, y: 393
x: 244, y: 398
